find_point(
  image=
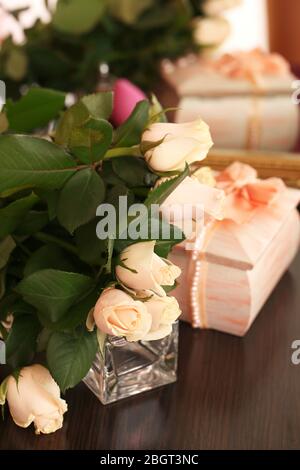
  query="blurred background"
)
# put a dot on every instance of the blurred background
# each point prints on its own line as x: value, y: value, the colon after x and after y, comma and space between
x: 234, y: 62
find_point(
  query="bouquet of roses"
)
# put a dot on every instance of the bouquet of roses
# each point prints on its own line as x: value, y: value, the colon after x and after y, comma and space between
x: 72, y: 269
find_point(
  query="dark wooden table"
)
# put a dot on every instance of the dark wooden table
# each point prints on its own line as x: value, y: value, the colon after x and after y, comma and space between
x: 232, y: 393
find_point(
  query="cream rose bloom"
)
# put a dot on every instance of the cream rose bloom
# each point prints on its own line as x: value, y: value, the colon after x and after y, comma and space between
x: 144, y: 270
x: 198, y: 198
x: 164, y: 312
x: 211, y: 31
x: 117, y: 314
x: 181, y: 143
x: 216, y: 7
x: 35, y: 398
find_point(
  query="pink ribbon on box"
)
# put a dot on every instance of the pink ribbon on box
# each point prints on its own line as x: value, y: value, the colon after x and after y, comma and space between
x: 251, y: 65
x: 245, y: 193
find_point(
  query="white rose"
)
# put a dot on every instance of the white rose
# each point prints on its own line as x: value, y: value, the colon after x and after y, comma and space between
x: 211, y: 31
x: 215, y: 7
x: 181, y: 143
x: 188, y: 204
x: 35, y: 398
x: 164, y: 312
x: 117, y: 314
x: 144, y: 270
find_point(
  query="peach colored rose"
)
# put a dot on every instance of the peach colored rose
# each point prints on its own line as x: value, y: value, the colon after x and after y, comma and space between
x: 143, y: 269
x: 35, y: 398
x: 117, y: 314
x: 205, y: 175
x: 216, y: 7
x: 164, y: 312
x: 211, y: 31
x: 181, y: 144
x: 200, y: 197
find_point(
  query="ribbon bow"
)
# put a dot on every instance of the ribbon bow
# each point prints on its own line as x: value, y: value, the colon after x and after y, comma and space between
x: 252, y: 65
x: 245, y: 193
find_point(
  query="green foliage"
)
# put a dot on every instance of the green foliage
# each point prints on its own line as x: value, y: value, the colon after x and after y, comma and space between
x: 34, y: 110
x: 53, y: 292
x: 160, y: 194
x: 129, y: 133
x: 21, y: 342
x: 132, y: 36
x: 7, y: 245
x: 90, y: 248
x: 84, y: 127
x: 79, y: 199
x: 31, y: 162
x: 48, y: 257
x: 13, y: 214
x: 53, y: 266
x: 71, y: 17
x: 70, y: 356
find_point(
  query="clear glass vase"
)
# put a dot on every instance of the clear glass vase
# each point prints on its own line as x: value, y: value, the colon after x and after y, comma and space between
x: 125, y: 369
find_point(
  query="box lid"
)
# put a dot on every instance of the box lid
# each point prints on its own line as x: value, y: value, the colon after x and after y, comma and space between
x: 241, y: 246
x: 196, y: 79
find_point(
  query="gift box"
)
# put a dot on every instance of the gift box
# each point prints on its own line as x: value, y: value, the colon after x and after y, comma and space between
x: 225, y: 282
x: 245, y: 98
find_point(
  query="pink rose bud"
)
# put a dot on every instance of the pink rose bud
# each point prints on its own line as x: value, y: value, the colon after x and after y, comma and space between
x: 126, y: 96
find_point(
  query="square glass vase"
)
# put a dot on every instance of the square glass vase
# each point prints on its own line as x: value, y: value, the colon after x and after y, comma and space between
x: 126, y: 369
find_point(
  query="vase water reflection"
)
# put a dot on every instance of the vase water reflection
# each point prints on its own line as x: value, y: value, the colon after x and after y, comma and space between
x: 125, y: 369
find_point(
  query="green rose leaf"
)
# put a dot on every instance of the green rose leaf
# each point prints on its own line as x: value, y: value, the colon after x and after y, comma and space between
x: 71, y: 119
x: 16, y: 64
x: 70, y: 356
x: 77, y: 314
x: 35, y: 109
x: 28, y: 162
x: 2, y: 283
x: 53, y: 292
x: 7, y: 245
x: 51, y: 199
x: 74, y: 17
x: 91, y: 249
x: 48, y: 257
x: 4, y: 124
x: 128, y: 11
x: 84, y: 127
x: 33, y: 222
x: 91, y: 141
x: 80, y: 198
x: 95, y: 106
x: 163, y: 191
x: 13, y: 215
x: 99, y: 105
x: 156, y: 111
x: 133, y: 171
x: 21, y: 342
x: 129, y: 133
x: 7, y: 305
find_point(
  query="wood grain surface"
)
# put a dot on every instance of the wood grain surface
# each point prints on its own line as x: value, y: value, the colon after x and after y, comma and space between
x: 232, y: 393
